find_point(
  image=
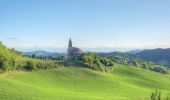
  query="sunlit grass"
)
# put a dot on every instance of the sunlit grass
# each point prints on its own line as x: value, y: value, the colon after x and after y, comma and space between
x: 77, y: 83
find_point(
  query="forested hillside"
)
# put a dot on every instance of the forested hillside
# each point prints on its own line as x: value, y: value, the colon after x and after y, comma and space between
x: 133, y: 61
x: 158, y: 56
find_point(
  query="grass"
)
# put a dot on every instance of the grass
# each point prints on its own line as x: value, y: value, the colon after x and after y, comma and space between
x: 77, y: 83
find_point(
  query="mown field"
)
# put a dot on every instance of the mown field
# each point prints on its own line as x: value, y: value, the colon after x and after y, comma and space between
x: 77, y: 83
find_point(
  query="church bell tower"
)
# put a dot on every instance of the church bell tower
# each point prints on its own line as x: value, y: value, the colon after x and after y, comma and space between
x: 69, y: 50
x: 70, y: 43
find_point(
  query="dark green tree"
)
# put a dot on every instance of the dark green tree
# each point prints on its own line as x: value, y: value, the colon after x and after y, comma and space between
x: 33, y: 55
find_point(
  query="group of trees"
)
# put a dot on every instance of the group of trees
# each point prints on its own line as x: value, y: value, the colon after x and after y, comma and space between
x: 7, y: 58
x: 38, y: 65
x: 58, y: 58
x: 102, y: 63
x: 93, y: 61
x: 138, y: 63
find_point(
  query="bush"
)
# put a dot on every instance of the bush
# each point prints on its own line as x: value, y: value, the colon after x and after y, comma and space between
x: 4, y: 62
x: 156, y: 95
x: 7, y: 58
x: 30, y: 65
x: 46, y: 65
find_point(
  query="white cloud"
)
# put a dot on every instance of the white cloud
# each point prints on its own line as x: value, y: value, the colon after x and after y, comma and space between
x: 25, y: 43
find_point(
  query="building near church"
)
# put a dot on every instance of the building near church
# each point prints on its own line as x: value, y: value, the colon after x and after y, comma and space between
x: 73, y: 52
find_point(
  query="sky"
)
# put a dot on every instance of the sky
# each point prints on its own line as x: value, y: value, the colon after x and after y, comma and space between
x: 94, y: 25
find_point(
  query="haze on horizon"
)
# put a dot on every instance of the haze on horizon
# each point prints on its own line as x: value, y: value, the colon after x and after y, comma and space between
x: 101, y: 25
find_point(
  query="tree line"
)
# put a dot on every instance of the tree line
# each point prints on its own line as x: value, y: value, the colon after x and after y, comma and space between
x: 57, y: 58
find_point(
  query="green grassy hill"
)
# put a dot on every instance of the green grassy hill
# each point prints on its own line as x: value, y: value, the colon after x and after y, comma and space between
x: 76, y: 83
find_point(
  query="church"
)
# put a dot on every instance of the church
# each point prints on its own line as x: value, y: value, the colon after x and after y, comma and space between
x: 73, y: 52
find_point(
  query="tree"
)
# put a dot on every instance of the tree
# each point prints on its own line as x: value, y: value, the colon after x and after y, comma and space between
x: 87, y: 58
x: 33, y: 55
x: 136, y: 64
x: 4, y: 59
x: 3, y: 64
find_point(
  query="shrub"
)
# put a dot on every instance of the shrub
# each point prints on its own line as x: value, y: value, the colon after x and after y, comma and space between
x: 3, y: 62
x: 156, y: 95
x: 30, y: 65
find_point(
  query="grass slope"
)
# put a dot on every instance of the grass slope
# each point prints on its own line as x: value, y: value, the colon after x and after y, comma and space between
x: 75, y: 83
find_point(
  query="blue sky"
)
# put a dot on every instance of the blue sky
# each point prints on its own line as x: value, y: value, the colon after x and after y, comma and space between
x: 101, y: 25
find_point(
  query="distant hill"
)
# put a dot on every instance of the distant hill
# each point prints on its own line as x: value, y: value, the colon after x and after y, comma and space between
x: 158, y: 56
x: 134, y: 51
x: 43, y: 53
x: 110, y: 54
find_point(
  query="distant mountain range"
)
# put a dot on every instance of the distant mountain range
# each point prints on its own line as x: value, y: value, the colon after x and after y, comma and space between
x: 43, y: 53
x: 158, y: 56
x: 134, y: 51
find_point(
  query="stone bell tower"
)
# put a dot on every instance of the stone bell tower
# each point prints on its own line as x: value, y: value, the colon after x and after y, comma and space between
x: 69, y: 43
x: 69, y: 50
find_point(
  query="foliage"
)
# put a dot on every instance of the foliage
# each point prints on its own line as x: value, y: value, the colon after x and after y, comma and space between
x: 30, y: 65
x: 93, y: 61
x: 7, y: 58
x: 57, y: 58
x: 128, y: 60
x: 158, y: 96
x: 11, y: 59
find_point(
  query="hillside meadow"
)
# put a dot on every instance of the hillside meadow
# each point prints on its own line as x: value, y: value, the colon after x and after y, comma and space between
x: 78, y: 83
